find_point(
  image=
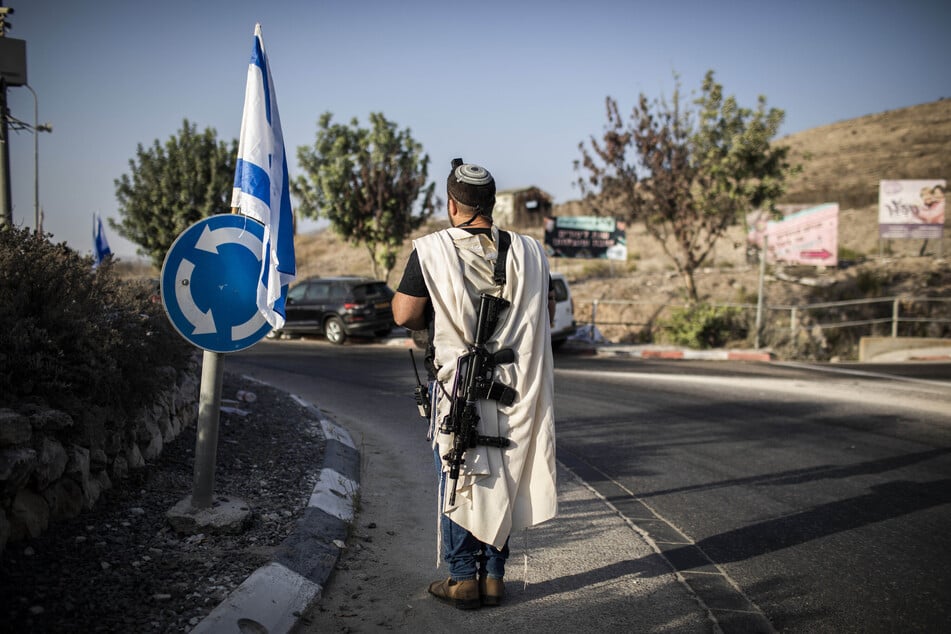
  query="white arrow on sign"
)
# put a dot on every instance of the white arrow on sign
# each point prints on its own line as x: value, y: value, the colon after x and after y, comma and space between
x: 249, y: 327
x: 210, y: 240
x: 203, y: 322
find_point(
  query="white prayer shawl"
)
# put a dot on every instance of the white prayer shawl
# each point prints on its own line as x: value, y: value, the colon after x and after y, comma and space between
x: 499, y: 491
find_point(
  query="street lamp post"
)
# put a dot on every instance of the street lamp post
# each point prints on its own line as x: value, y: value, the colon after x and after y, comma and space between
x: 36, y: 158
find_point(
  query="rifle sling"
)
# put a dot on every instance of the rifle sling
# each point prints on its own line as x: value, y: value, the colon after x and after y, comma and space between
x: 493, y: 441
x: 505, y: 241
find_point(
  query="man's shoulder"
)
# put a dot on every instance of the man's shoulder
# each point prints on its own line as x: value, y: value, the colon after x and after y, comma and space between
x: 527, y: 240
x: 430, y: 237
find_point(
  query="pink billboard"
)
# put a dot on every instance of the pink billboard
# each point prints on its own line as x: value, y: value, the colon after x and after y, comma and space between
x: 911, y: 209
x: 810, y: 236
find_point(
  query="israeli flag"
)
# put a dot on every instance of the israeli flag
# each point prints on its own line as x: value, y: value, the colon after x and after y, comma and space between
x: 261, y: 184
x: 100, y: 246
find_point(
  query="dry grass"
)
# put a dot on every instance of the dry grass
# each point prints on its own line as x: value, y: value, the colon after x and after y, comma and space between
x: 843, y: 162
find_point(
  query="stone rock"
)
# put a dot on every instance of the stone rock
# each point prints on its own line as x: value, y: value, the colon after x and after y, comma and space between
x: 165, y: 426
x: 167, y: 373
x: 65, y: 499
x: 78, y: 465
x: 77, y: 469
x: 113, y: 444
x: 189, y: 415
x: 120, y: 468
x: 4, y: 529
x: 225, y: 516
x: 97, y: 460
x: 175, y: 427
x: 186, y: 396
x: 155, y: 444
x: 170, y: 402
x: 15, y: 429
x: 93, y: 430
x: 16, y: 467
x: 140, y: 431
x: 98, y: 482
x: 50, y: 463
x: 29, y: 515
x: 51, y: 420
x: 134, y: 457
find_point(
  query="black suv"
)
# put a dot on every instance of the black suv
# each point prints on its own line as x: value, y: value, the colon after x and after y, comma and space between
x: 338, y: 307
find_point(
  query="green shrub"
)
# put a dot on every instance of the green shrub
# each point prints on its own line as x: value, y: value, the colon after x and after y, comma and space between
x: 846, y: 253
x: 870, y: 282
x: 77, y: 339
x: 702, y: 326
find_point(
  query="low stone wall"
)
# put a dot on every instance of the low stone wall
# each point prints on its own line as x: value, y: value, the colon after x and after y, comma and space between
x: 892, y: 349
x: 50, y: 470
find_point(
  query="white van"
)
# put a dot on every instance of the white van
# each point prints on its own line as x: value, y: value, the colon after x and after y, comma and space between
x: 564, y: 325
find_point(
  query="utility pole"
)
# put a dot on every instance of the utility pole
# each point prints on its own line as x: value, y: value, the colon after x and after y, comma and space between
x: 37, y: 128
x: 12, y: 73
x: 6, y: 206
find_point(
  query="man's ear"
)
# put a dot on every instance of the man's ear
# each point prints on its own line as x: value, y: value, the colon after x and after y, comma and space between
x: 453, y: 208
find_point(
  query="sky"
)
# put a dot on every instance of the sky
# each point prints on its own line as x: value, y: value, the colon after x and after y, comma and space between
x: 512, y: 85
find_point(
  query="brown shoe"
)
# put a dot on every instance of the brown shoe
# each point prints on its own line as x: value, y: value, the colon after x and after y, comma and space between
x: 462, y: 594
x: 491, y: 590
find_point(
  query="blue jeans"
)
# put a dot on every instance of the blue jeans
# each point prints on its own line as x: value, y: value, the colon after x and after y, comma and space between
x: 465, y: 555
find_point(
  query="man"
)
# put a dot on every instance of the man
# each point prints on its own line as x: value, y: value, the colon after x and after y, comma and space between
x: 499, y: 489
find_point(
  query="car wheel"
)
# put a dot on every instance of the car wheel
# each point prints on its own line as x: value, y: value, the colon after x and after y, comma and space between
x: 333, y: 330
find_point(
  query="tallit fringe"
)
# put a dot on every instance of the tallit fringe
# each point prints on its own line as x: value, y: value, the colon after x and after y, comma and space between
x: 524, y: 560
x: 438, y: 523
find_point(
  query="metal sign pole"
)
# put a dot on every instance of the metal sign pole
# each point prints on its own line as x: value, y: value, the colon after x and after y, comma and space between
x: 759, y: 299
x: 206, y: 442
x: 209, y: 290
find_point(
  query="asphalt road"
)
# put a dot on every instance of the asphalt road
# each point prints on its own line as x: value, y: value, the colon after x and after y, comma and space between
x: 762, y: 496
x: 820, y: 494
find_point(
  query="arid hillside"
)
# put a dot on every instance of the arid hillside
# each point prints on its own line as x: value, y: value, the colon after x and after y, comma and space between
x: 844, y: 161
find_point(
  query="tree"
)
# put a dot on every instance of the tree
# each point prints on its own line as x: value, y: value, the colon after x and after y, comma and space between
x: 173, y: 186
x: 367, y: 182
x: 687, y: 175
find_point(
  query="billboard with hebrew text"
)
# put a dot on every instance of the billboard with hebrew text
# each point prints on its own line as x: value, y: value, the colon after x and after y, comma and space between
x: 911, y: 209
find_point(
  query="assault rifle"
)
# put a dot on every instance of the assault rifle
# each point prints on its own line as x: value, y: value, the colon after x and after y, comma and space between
x: 474, y: 381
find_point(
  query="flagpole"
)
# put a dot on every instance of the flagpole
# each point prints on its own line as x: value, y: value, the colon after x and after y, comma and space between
x: 263, y: 153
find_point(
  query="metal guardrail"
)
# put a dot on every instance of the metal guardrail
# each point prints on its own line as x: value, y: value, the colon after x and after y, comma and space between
x: 795, y: 312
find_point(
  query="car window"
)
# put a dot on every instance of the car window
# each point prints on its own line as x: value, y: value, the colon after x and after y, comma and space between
x: 317, y: 291
x: 338, y: 291
x: 561, y: 291
x: 297, y: 293
x: 363, y: 292
x: 380, y: 289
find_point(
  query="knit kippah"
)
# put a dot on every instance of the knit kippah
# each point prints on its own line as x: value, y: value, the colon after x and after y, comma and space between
x: 472, y: 185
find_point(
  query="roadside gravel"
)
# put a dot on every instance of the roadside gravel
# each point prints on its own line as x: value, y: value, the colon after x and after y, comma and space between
x: 120, y: 567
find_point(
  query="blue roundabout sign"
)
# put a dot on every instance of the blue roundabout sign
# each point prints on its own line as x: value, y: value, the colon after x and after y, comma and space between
x: 210, y: 280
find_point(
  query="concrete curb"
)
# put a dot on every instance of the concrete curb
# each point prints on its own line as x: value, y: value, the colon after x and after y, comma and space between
x: 653, y: 352
x: 274, y: 597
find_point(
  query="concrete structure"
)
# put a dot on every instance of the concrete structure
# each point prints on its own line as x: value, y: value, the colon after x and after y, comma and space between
x: 526, y: 207
x: 888, y: 349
